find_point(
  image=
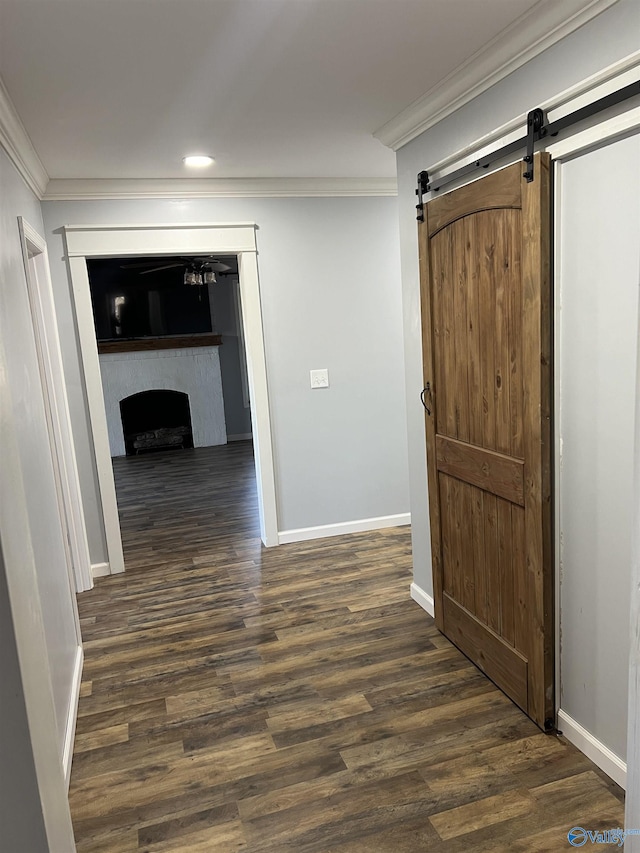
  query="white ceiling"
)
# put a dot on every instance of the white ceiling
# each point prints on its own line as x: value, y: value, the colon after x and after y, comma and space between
x: 123, y: 89
x: 273, y: 88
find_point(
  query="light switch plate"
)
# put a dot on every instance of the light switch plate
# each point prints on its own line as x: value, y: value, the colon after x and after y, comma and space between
x: 319, y: 378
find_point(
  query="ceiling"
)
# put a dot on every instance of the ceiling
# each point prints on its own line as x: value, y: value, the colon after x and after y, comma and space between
x: 123, y: 89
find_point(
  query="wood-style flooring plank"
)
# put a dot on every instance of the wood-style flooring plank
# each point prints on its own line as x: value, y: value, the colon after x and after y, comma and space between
x: 293, y: 699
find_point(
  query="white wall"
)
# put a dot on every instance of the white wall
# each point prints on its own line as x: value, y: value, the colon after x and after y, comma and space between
x: 36, y: 603
x: 331, y: 298
x: 594, y: 616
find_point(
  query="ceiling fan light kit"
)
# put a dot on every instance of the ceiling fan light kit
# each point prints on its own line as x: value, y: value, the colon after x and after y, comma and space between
x: 199, y: 274
x: 197, y: 271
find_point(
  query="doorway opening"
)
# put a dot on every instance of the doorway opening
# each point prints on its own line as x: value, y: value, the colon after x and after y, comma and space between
x: 171, y: 241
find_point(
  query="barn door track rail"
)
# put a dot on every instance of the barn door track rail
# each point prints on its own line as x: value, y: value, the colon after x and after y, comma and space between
x: 537, y: 129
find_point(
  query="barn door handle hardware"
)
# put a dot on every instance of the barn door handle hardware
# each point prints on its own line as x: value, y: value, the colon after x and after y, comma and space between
x: 423, y: 398
x: 535, y: 131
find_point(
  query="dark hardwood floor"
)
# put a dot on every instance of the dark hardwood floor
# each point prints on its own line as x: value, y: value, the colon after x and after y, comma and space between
x: 293, y: 700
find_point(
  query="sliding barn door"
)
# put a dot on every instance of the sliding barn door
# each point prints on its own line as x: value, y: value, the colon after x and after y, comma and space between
x: 486, y: 301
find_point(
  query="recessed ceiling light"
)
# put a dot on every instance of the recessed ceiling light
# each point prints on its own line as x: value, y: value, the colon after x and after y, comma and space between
x: 197, y: 160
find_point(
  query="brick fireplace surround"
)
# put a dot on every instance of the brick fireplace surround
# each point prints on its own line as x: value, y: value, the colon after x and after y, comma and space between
x: 194, y: 371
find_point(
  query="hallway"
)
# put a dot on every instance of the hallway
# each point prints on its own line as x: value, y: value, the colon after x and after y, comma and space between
x: 293, y: 700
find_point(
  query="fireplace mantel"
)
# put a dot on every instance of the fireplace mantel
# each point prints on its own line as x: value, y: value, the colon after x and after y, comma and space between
x: 146, y: 344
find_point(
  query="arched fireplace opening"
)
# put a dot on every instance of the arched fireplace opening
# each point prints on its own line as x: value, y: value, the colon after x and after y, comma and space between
x: 156, y: 420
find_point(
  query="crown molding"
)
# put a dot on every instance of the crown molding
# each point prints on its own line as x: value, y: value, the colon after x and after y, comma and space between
x: 538, y: 29
x: 15, y: 141
x: 155, y: 226
x: 81, y: 189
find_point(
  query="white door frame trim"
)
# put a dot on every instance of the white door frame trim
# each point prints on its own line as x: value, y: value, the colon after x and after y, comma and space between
x: 86, y: 241
x: 43, y: 313
x: 632, y: 813
x: 63, y: 457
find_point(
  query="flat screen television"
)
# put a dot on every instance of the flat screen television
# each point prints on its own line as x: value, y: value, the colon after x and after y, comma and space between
x: 132, y: 299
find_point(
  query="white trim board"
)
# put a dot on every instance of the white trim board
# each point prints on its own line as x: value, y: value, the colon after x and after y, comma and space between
x: 594, y: 749
x: 301, y: 534
x: 90, y: 368
x: 542, y: 26
x: 240, y: 436
x: 45, y: 328
x: 632, y: 813
x: 237, y: 239
x: 153, y: 226
x: 15, y: 141
x: 100, y: 570
x: 626, y: 123
x: 423, y: 599
x: 171, y: 239
x: 72, y: 717
x: 82, y: 189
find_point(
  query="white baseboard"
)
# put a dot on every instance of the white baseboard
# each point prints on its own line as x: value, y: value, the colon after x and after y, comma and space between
x: 240, y: 436
x: 423, y: 599
x: 600, y: 754
x: 100, y: 570
x: 72, y: 716
x: 301, y: 534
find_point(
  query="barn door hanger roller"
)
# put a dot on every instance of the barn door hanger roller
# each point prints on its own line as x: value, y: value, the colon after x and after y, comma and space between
x: 537, y: 128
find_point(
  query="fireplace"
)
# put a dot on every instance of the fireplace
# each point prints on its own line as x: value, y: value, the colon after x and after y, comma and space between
x: 156, y: 420
x: 193, y: 371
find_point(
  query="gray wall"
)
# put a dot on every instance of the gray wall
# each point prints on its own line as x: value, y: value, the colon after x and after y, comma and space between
x: 606, y: 39
x: 330, y: 293
x: 21, y: 821
x: 35, y: 598
x: 232, y: 355
x: 597, y: 287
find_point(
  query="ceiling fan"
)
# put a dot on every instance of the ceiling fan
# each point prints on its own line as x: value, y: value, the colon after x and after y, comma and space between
x: 197, y: 270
